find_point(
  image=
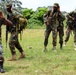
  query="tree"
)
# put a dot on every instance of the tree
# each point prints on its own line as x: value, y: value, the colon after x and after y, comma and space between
x: 27, y: 13
x: 38, y: 15
x: 15, y: 3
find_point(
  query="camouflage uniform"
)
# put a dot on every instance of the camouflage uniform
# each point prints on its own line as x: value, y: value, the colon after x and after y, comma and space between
x: 60, y: 29
x: 52, y: 24
x: 48, y: 28
x: 2, y: 21
x: 1, y: 51
x: 71, y: 26
x: 14, y: 42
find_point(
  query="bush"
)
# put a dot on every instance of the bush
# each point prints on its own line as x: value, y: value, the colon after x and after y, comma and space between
x: 33, y: 23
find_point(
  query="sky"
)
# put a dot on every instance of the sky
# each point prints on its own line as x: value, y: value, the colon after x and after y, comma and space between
x: 65, y: 5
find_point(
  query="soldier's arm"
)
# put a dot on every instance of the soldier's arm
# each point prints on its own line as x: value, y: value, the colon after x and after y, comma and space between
x: 70, y: 15
x: 5, y: 21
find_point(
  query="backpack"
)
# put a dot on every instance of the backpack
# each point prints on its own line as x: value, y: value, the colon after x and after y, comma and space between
x: 22, y: 23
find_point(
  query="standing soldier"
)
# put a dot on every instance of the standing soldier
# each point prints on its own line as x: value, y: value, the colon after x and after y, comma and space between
x: 14, y: 42
x: 48, y: 28
x: 71, y: 25
x: 7, y: 22
x: 60, y: 28
x: 52, y: 25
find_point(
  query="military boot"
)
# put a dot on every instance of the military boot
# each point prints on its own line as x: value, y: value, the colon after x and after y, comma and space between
x: 13, y: 58
x: 1, y: 68
x: 22, y: 55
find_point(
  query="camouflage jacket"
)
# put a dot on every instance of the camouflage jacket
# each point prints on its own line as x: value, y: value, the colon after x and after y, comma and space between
x: 14, y: 19
x: 57, y: 19
x: 61, y: 18
x: 71, y: 19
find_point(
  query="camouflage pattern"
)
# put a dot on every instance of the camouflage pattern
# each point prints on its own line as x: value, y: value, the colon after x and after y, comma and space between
x: 48, y: 27
x: 52, y: 24
x: 51, y: 27
x: 14, y: 42
x: 68, y: 31
x: 1, y: 51
x: 1, y: 48
x: 6, y: 22
x: 47, y: 33
x: 2, y: 21
x: 60, y: 29
x: 71, y: 26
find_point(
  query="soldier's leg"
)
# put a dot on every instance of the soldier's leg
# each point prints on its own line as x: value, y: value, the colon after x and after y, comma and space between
x: 47, y: 33
x: 67, y: 36
x: 61, y: 34
x: 1, y: 59
x: 12, y: 49
x: 54, y: 36
x: 18, y: 46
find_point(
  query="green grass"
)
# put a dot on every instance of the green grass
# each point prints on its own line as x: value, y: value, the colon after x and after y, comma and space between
x: 37, y: 62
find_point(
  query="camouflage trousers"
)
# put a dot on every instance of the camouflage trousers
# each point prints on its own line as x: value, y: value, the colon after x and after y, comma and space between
x: 14, y: 43
x: 68, y: 32
x: 54, y: 35
x: 1, y: 53
x: 60, y: 30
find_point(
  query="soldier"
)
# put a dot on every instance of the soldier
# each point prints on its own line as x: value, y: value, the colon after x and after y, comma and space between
x: 60, y: 28
x: 48, y: 28
x: 52, y: 24
x: 14, y: 42
x: 71, y: 25
x: 6, y: 22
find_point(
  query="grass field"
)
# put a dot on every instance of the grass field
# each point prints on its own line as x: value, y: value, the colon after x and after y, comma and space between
x: 37, y: 62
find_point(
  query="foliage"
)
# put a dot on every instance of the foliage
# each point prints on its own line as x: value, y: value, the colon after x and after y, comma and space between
x: 39, y: 14
x: 27, y: 13
x: 35, y: 18
x: 15, y: 3
x: 34, y: 23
